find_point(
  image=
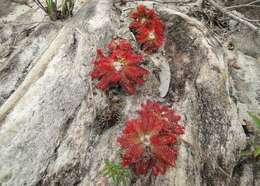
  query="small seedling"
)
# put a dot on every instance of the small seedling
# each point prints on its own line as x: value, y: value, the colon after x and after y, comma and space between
x: 255, y: 119
x: 116, y: 173
x: 55, y: 10
x: 255, y: 151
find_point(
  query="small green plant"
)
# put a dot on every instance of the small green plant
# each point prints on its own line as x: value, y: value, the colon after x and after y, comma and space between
x: 255, y: 119
x: 55, y: 10
x: 252, y: 153
x: 255, y: 151
x: 118, y: 174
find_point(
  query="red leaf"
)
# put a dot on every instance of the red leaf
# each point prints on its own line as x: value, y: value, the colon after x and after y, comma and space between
x: 159, y: 167
x: 165, y: 153
x: 107, y: 80
x: 142, y: 166
x: 132, y: 154
x: 163, y: 139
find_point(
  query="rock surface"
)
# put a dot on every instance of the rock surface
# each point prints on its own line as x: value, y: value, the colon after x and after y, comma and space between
x: 49, y: 107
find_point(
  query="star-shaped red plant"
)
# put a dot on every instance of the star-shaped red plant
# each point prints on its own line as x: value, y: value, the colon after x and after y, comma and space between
x: 146, y: 143
x: 121, y: 66
x: 148, y: 28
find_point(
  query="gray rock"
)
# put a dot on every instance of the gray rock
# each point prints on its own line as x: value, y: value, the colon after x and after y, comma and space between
x: 49, y: 104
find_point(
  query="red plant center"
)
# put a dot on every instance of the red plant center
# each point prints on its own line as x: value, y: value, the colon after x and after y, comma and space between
x: 118, y: 65
x: 151, y: 35
x: 143, y: 20
x: 145, y: 139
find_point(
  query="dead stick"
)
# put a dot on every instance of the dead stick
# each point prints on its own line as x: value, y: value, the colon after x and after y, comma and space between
x: 241, y: 20
x: 251, y: 4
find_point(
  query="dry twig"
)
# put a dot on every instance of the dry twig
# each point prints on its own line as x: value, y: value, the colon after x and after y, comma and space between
x: 239, y: 19
x: 251, y: 4
x: 18, y: 23
x: 156, y: 1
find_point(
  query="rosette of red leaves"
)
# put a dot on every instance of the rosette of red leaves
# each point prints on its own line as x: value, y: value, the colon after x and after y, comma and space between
x: 149, y: 141
x: 120, y: 66
x: 148, y: 28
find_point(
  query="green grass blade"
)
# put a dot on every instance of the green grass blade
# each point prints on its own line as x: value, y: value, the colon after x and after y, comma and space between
x: 245, y: 153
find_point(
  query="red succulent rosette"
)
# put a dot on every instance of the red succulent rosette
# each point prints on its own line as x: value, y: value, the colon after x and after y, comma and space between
x: 145, y: 148
x: 121, y: 66
x: 146, y: 142
x: 148, y: 28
